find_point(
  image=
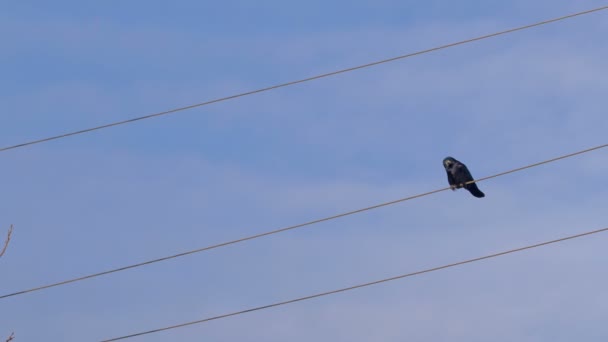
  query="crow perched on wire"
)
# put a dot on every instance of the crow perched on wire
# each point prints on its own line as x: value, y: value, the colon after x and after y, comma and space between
x: 458, y: 174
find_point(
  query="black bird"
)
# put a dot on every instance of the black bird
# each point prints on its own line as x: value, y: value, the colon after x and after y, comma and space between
x: 458, y: 174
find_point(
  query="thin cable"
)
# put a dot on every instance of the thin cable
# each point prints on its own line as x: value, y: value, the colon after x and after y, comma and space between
x: 322, y: 294
x: 8, y: 239
x: 291, y: 227
x: 282, y: 85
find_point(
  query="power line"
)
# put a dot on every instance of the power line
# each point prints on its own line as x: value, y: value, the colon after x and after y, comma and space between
x: 284, y: 229
x: 322, y: 294
x: 282, y: 85
x: 8, y: 239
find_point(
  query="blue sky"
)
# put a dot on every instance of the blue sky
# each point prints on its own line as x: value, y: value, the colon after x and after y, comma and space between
x: 162, y: 186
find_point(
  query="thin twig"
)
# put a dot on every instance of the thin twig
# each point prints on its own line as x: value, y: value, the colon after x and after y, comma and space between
x: 10, y: 338
x: 8, y: 238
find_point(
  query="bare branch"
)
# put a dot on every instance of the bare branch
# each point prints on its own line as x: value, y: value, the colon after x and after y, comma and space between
x: 10, y: 338
x: 8, y: 239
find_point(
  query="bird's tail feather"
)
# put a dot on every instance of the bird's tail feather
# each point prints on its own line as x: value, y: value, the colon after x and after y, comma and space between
x: 474, y: 190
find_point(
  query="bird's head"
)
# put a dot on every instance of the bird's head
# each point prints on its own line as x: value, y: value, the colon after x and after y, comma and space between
x: 448, y: 162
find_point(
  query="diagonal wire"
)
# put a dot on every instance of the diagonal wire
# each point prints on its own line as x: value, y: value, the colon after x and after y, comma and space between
x: 280, y: 230
x: 282, y: 85
x: 8, y: 239
x: 322, y: 294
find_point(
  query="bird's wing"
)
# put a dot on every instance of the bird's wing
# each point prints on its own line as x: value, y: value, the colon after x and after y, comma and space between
x: 462, y: 173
